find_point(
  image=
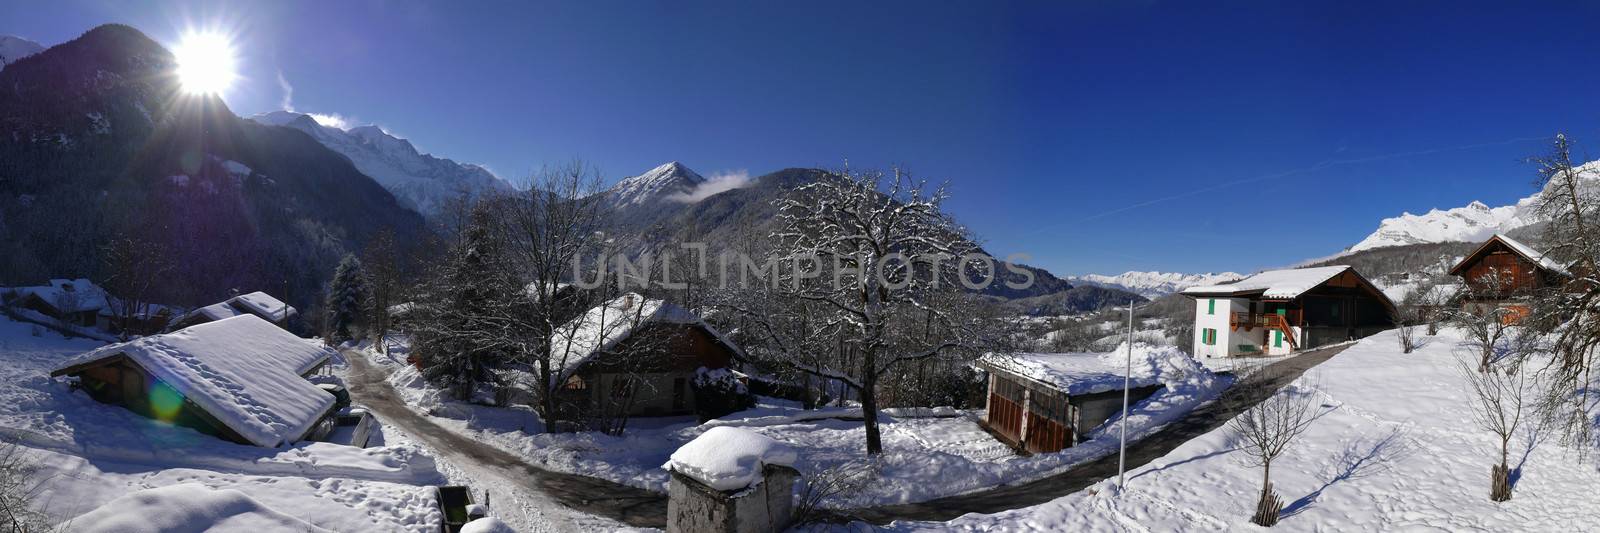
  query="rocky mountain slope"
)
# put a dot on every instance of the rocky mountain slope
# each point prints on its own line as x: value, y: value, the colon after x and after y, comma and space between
x: 1471, y: 223
x: 422, y: 182
x: 97, y: 141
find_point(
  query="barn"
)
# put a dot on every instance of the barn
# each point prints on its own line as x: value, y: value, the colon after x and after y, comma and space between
x: 241, y: 379
x: 1044, y: 402
x: 637, y: 356
x: 256, y: 303
x: 1503, y: 274
x: 1280, y: 311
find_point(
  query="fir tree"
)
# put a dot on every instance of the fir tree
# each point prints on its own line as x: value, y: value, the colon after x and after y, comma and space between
x: 347, y: 299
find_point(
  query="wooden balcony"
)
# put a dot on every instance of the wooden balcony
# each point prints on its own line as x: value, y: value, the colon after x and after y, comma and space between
x: 1271, y: 321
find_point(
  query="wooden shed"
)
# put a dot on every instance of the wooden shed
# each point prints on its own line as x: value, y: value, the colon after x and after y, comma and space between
x: 1045, y: 402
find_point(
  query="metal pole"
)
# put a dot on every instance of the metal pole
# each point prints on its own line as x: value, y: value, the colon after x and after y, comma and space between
x: 1127, y: 378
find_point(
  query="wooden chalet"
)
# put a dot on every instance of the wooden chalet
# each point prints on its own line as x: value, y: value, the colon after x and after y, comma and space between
x: 1503, y: 274
x: 257, y: 303
x: 1280, y: 311
x: 241, y: 379
x: 1043, y: 403
x: 71, y: 301
x: 638, y: 357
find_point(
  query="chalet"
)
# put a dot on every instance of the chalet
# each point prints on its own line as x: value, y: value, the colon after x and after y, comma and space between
x: 1281, y: 311
x: 241, y: 379
x: 1044, y: 402
x: 71, y: 301
x: 637, y: 356
x: 1502, y: 273
x: 145, y: 319
x: 256, y: 303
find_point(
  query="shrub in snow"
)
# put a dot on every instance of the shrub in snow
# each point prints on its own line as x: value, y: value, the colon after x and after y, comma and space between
x: 718, y: 393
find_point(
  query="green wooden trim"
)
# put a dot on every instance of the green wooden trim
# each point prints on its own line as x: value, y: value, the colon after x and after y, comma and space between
x: 1211, y: 306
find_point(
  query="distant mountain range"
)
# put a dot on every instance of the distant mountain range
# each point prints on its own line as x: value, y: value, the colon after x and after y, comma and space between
x: 98, y: 141
x: 1471, y: 223
x: 421, y: 182
x: 1154, y: 284
x: 13, y: 48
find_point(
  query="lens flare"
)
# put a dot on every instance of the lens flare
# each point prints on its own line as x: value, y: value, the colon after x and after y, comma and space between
x: 205, y: 62
x: 165, y: 403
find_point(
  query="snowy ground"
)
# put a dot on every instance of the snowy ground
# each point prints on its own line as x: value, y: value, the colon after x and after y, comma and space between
x: 92, y: 453
x: 925, y: 456
x: 1394, y: 449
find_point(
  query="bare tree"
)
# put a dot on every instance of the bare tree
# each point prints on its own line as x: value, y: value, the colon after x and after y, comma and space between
x: 381, y: 260
x: 1570, y: 201
x: 19, y: 485
x: 1405, y: 330
x: 1266, y: 430
x: 852, y: 243
x: 552, y: 230
x: 1485, y: 322
x: 840, y: 484
x: 1498, y: 395
x: 134, y: 269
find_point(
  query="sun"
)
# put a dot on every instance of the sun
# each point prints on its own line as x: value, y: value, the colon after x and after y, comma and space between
x: 205, y: 63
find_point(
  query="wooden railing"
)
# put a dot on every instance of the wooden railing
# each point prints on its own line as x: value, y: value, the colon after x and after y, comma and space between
x: 1271, y: 321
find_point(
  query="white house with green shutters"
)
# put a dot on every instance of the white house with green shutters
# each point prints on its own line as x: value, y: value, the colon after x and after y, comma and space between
x: 1280, y: 311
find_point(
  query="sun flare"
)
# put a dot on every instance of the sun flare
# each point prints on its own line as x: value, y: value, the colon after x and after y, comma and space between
x: 205, y: 63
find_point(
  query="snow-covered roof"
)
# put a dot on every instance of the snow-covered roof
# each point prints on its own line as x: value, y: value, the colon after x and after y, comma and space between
x: 1080, y: 373
x: 1527, y: 252
x: 68, y: 295
x: 729, y: 458
x: 259, y: 303
x: 113, y: 308
x: 187, y: 507
x: 603, y: 327
x: 243, y: 371
x: 1285, y: 284
x: 264, y: 305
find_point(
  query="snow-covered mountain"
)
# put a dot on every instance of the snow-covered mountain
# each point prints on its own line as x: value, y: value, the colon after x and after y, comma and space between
x: 13, y: 48
x: 657, y: 185
x: 1471, y: 223
x: 420, y: 181
x: 1154, y: 285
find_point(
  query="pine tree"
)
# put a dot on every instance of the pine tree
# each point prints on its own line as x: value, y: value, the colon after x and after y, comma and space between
x: 347, y: 299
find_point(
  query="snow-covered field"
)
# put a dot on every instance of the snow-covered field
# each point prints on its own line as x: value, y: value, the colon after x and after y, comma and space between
x: 927, y: 454
x: 1394, y: 448
x: 90, y: 454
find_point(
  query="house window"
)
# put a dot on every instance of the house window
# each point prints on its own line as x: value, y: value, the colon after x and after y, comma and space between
x: 680, y: 389
x: 1211, y: 306
x: 576, y: 383
x: 1208, y: 336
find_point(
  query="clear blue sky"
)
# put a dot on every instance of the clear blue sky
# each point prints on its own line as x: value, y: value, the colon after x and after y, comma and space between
x: 1100, y: 137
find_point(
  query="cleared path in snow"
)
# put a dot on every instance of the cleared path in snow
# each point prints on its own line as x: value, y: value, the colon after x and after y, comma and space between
x: 1203, y: 420
x: 630, y: 505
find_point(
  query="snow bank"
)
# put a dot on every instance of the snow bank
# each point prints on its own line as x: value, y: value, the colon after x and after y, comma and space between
x: 243, y: 371
x: 487, y: 525
x: 189, y: 507
x: 727, y: 458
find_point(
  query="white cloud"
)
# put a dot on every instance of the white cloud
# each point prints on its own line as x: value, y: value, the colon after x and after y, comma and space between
x: 332, y: 120
x: 717, y: 183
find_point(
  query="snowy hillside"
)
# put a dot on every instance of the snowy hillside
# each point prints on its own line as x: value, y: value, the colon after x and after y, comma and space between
x: 660, y: 183
x: 13, y: 48
x: 1154, y: 284
x: 420, y: 181
x: 1471, y: 223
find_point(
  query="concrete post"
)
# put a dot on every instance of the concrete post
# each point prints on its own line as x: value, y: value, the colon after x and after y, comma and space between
x: 694, y: 507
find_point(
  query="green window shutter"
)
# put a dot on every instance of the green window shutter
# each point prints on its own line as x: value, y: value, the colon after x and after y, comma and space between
x: 1277, y: 338
x: 1211, y: 306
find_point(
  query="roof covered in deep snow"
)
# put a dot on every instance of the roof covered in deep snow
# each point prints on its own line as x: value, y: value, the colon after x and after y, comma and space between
x: 259, y: 303
x: 68, y: 295
x: 1517, y: 247
x: 1084, y: 373
x: 729, y: 458
x: 243, y: 371
x: 1286, y: 284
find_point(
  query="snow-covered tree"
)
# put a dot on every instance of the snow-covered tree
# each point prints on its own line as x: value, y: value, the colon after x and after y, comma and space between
x: 347, y: 300
x: 464, y: 317
x: 857, y: 258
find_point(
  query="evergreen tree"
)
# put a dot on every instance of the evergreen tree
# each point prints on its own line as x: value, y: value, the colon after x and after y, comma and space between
x: 347, y: 299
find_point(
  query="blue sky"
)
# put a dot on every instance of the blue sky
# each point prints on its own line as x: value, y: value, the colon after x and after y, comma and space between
x: 1096, y: 136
